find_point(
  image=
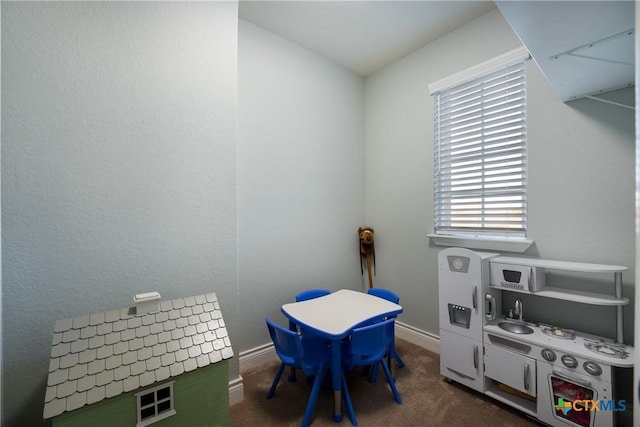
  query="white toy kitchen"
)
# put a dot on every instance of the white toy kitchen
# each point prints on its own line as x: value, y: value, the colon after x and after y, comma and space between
x: 562, y: 377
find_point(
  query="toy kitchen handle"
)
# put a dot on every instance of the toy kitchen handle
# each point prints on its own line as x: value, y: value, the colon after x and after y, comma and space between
x: 490, y: 307
x: 475, y: 356
x: 571, y: 378
x: 526, y: 376
x: 474, y: 297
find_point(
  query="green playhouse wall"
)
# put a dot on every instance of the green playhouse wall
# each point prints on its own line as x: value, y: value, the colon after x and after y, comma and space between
x: 201, y: 399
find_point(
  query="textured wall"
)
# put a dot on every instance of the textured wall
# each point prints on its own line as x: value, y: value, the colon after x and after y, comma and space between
x: 399, y: 123
x: 300, y: 176
x: 581, y: 168
x: 118, y: 168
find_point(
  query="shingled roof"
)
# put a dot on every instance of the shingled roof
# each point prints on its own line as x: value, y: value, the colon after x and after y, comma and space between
x: 99, y: 356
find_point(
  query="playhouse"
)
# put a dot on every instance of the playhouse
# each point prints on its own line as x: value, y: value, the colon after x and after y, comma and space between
x: 160, y: 362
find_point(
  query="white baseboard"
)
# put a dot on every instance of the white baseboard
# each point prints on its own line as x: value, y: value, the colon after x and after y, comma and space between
x: 236, y: 391
x: 257, y: 356
x: 249, y: 359
x: 418, y: 337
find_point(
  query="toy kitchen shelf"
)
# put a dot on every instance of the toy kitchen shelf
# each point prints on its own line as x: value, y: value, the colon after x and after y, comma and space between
x: 578, y: 296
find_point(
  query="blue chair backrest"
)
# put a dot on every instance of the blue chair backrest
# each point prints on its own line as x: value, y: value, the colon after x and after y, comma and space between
x: 312, y: 293
x: 287, y: 344
x: 384, y: 293
x: 370, y: 343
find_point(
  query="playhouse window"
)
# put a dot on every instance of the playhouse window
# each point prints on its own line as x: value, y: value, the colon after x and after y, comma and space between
x: 155, y: 404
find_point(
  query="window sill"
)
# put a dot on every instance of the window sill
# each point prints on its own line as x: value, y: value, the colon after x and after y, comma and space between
x: 158, y: 417
x: 487, y: 243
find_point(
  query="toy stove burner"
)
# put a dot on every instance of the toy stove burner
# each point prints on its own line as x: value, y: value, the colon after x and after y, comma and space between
x: 607, y: 348
x: 556, y: 332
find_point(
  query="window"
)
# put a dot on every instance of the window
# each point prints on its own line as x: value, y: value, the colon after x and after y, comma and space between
x: 155, y: 404
x: 480, y: 150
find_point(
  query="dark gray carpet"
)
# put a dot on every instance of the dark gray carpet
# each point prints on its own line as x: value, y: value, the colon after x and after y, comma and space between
x: 428, y: 400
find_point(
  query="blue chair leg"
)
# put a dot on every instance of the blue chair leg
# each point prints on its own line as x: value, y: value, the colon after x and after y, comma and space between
x: 391, y: 382
x: 374, y: 374
x: 348, y: 403
x: 394, y: 354
x: 292, y: 375
x: 276, y: 380
x: 313, y: 396
x: 374, y: 370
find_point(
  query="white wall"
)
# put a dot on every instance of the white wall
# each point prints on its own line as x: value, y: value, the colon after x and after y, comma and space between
x: 399, y: 135
x: 118, y: 168
x: 300, y: 176
x: 1, y: 351
x: 119, y: 171
x: 585, y: 145
x: 636, y: 371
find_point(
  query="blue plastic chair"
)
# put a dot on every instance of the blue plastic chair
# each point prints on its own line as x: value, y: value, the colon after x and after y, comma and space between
x: 311, y: 294
x: 303, y: 296
x: 392, y: 354
x: 367, y: 346
x: 306, y: 295
x: 385, y: 294
x: 311, y: 356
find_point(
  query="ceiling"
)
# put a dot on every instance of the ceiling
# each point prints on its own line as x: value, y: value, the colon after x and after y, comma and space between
x: 362, y: 36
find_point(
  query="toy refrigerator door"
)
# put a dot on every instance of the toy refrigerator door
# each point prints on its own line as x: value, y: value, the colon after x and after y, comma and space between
x: 461, y: 360
x: 461, y: 296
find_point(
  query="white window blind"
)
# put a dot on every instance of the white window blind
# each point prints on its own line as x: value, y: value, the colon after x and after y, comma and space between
x: 481, y: 156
